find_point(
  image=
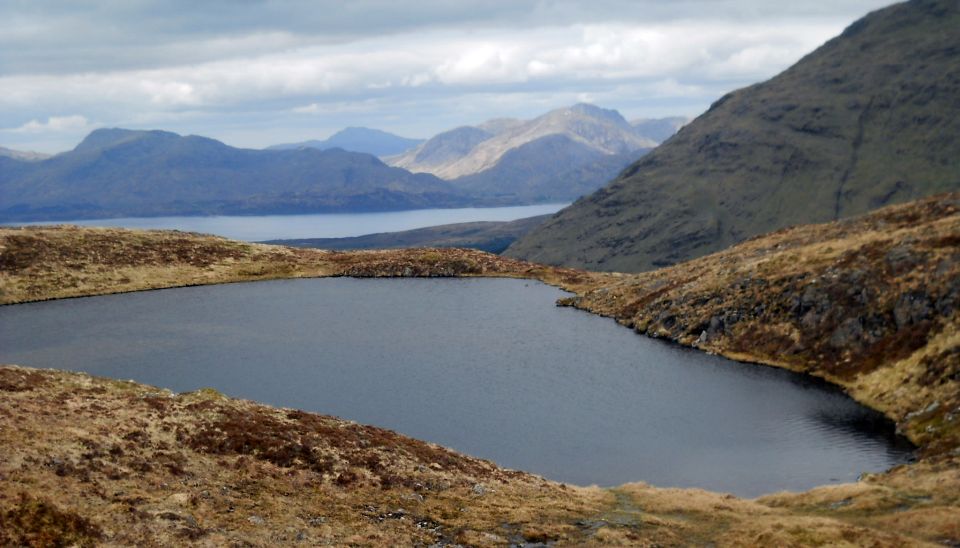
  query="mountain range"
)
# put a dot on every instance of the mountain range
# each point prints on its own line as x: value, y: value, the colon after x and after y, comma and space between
x: 553, y: 168
x: 358, y: 139
x: 121, y: 172
x: 118, y: 172
x: 469, y: 150
x: 870, y: 118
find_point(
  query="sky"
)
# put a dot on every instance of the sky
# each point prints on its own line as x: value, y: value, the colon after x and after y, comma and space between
x: 253, y: 73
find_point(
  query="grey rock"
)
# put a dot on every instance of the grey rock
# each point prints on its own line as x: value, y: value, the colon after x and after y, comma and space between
x: 911, y: 309
x: 848, y: 334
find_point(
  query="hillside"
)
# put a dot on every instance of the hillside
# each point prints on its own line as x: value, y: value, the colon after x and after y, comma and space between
x: 442, y: 149
x: 489, y: 236
x: 603, y: 131
x: 868, y: 119
x: 554, y: 168
x: 358, y: 139
x: 124, y: 464
x: 116, y: 172
x: 783, y: 299
x: 871, y: 303
x: 53, y: 262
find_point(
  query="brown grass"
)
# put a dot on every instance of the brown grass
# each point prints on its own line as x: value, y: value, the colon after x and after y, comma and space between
x: 128, y: 464
x: 870, y: 304
x: 40, y: 523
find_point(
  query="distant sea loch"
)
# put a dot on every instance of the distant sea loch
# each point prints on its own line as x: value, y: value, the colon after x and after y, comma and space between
x: 323, y: 225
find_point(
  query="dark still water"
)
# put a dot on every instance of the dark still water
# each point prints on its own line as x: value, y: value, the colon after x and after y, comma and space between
x: 489, y: 367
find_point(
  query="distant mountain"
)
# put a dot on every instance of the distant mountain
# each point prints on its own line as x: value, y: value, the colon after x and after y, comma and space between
x: 117, y: 172
x: 489, y: 236
x: 441, y: 150
x: 554, y: 168
x: 479, y: 149
x: 497, y: 126
x: 359, y: 139
x: 870, y: 118
x: 658, y: 129
x: 559, y: 156
x: 23, y: 154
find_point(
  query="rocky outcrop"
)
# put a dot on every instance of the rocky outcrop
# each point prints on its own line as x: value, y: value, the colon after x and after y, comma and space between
x: 872, y: 303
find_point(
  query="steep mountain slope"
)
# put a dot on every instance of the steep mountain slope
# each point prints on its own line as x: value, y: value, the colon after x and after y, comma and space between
x: 552, y: 168
x: 604, y: 131
x: 358, y: 139
x: 872, y: 117
x: 441, y: 150
x: 121, y: 172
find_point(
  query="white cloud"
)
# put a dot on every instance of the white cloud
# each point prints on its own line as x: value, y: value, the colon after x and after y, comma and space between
x: 53, y: 124
x: 416, y: 77
x: 312, y: 108
x: 685, y: 53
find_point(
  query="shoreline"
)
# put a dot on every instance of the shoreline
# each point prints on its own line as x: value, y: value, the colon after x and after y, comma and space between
x: 692, y: 305
x: 733, y: 356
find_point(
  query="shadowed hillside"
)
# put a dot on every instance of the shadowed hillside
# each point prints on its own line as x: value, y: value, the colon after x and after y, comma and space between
x: 358, y: 139
x: 870, y: 118
x: 554, y: 168
x: 116, y: 172
x: 489, y: 236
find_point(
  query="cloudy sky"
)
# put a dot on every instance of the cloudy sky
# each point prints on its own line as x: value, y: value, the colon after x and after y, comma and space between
x: 258, y: 72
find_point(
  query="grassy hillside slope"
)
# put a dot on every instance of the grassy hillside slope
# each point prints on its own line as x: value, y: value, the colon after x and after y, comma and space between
x: 870, y: 118
x: 870, y: 303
